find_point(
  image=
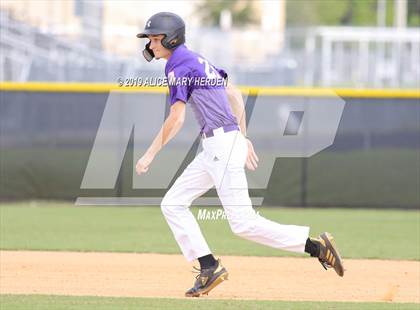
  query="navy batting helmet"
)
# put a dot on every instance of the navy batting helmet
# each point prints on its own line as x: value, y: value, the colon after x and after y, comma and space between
x: 168, y: 24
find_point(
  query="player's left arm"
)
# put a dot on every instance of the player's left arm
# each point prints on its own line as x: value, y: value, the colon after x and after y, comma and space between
x: 237, y: 105
x: 170, y: 128
x: 238, y: 108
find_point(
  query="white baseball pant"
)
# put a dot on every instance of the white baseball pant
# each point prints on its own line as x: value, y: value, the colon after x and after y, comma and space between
x: 221, y: 164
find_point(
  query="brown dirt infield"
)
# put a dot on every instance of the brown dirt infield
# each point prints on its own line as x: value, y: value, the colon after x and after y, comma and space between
x: 157, y: 275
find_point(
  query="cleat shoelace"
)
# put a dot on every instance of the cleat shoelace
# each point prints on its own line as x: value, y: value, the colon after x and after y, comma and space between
x: 199, y: 273
x: 196, y: 270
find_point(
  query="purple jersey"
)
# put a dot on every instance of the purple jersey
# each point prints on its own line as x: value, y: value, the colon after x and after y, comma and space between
x: 192, y: 79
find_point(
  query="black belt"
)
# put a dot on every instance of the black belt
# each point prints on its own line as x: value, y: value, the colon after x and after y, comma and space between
x: 226, y: 128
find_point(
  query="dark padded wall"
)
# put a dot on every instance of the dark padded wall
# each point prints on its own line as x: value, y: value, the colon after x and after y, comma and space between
x: 46, y: 139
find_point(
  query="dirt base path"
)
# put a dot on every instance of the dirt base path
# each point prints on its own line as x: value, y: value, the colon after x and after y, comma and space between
x: 156, y: 275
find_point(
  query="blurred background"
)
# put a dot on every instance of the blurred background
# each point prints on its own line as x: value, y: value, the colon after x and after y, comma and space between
x: 366, y: 51
x: 339, y: 43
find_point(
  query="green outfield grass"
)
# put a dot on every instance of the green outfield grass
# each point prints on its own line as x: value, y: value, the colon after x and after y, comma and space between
x: 42, y: 302
x: 61, y: 226
x: 384, y: 234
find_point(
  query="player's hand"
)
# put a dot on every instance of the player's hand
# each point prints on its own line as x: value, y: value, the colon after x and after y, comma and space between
x: 252, y: 158
x: 143, y: 164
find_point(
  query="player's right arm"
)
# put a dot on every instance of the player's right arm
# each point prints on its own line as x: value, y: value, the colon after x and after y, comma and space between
x: 170, y: 128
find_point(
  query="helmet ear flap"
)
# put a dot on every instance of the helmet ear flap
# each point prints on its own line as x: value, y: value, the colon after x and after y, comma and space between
x: 173, y: 41
x: 148, y: 53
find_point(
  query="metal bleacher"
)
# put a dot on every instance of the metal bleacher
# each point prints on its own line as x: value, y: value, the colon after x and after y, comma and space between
x: 26, y: 53
x: 355, y: 57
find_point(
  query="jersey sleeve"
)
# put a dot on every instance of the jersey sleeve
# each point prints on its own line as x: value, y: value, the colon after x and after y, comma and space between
x: 179, y: 88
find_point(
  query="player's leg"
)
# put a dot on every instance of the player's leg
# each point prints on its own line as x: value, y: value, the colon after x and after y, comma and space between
x: 248, y: 224
x: 191, y: 184
x: 230, y: 180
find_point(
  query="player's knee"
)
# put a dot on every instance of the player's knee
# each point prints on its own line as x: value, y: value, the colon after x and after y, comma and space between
x: 243, y: 223
x: 170, y: 204
x: 166, y: 205
x: 174, y: 203
x: 242, y: 228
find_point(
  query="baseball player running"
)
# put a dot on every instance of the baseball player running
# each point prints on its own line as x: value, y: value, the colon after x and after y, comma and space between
x: 220, y: 112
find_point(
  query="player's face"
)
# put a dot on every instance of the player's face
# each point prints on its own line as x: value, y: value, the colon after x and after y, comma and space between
x: 157, y: 47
